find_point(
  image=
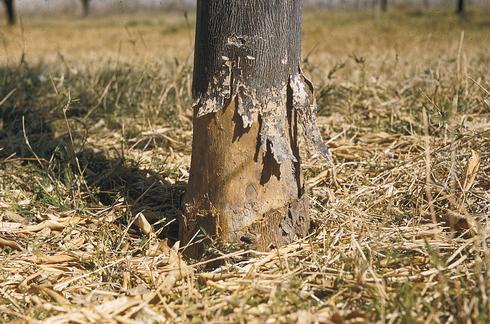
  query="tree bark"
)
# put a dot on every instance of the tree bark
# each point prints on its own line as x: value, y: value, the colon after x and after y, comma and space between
x: 10, y: 10
x: 85, y: 7
x: 245, y: 180
x: 460, y: 7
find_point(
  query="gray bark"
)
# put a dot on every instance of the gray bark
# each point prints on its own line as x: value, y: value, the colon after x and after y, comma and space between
x: 251, y: 50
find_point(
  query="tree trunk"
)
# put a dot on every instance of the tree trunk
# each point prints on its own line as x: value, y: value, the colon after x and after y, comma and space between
x: 460, y: 7
x: 85, y: 7
x: 384, y: 5
x: 245, y: 180
x: 10, y: 10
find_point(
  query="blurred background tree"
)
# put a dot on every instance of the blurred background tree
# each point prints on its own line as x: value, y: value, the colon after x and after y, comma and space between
x: 85, y: 7
x: 9, y: 9
x: 460, y: 7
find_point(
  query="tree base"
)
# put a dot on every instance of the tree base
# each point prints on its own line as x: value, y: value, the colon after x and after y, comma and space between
x: 237, y: 191
x: 274, y: 229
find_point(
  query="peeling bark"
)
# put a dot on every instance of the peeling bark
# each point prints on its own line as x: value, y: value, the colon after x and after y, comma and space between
x: 255, y: 58
x: 251, y: 99
x: 237, y: 191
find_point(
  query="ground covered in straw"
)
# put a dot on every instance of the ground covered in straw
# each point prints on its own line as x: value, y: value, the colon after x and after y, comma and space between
x: 94, y: 153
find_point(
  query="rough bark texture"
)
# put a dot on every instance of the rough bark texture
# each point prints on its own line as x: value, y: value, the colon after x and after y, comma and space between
x: 251, y: 99
x: 9, y: 8
x: 251, y: 50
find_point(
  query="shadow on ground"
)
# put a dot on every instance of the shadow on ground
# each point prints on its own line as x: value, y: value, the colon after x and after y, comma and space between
x: 29, y: 133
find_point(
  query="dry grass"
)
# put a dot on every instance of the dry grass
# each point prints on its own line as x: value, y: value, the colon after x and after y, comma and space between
x: 95, y: 147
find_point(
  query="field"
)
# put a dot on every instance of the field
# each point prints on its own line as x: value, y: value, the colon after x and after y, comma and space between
x: 95, y: 141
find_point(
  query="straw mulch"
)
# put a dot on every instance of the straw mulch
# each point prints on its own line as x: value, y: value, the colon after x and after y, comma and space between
x: 94, y: 160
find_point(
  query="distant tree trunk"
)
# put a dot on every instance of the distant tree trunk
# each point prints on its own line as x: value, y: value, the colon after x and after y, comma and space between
x: 245, y: 179
x: 85, y: 7
x: 10, y: 10
x: 460, y: 7
x: 384, y: 5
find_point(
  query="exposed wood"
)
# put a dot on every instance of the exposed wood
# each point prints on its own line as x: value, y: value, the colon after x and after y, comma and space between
x: 250, y: 50
x: 245, y: 180
x: 237, y: 191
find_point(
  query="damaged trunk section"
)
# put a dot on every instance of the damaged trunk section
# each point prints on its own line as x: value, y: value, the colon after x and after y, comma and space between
x: 255, y: 62
x: 245, y: 182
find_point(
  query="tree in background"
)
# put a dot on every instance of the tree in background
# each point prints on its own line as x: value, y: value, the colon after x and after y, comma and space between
x: 10, y: 10
x: 460, y: 8
x: 384, y: 5
x: 252, y: 100
x: 85, y: 7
